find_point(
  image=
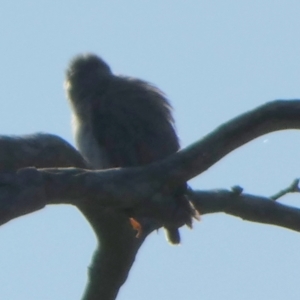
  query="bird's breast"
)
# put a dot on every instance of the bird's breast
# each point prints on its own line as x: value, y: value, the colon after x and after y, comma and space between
x: 88, y: 145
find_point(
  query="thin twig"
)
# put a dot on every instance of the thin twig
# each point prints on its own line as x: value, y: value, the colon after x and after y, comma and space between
x: 293, y: 188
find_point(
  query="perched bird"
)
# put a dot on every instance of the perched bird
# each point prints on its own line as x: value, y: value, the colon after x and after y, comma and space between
x: 120, y: 121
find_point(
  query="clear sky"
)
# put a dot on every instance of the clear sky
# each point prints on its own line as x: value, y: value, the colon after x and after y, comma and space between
x: 214, y: 60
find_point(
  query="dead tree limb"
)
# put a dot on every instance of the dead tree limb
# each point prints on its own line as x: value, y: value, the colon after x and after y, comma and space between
x: 106, y: 197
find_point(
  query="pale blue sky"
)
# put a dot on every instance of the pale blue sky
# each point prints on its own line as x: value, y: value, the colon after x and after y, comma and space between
x: 214, y: 60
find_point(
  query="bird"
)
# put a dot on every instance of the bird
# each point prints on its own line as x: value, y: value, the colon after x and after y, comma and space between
x: 121, y: 121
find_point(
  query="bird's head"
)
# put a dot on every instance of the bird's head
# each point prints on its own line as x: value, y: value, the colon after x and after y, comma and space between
x: 86, y: 74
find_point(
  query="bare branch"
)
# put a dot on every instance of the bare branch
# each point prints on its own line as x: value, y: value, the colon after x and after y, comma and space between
x: 38, y: 150
x: 197, y: 158
x: 248, y: 207
x: 106, y: 198
x: 277, y: 115
x: 24, y: 192
x: 114, y: 257
x: 20, y: 194
x: 293, y: 188
x: 129, y: 190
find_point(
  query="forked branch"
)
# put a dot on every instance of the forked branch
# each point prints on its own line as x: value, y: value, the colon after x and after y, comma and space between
x: 106, y: 197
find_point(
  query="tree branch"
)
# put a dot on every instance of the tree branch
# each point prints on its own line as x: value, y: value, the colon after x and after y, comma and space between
x: 38, y: 150
x: 25, y: 191
x: 293, y: 188
x: 106, y: 198
x: 197, y: 158
x: 247, y: 207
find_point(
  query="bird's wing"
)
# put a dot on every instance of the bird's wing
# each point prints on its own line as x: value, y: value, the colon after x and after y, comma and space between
x: 133, y: 123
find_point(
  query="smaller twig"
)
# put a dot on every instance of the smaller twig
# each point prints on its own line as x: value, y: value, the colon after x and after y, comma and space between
x: 293, y: 188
